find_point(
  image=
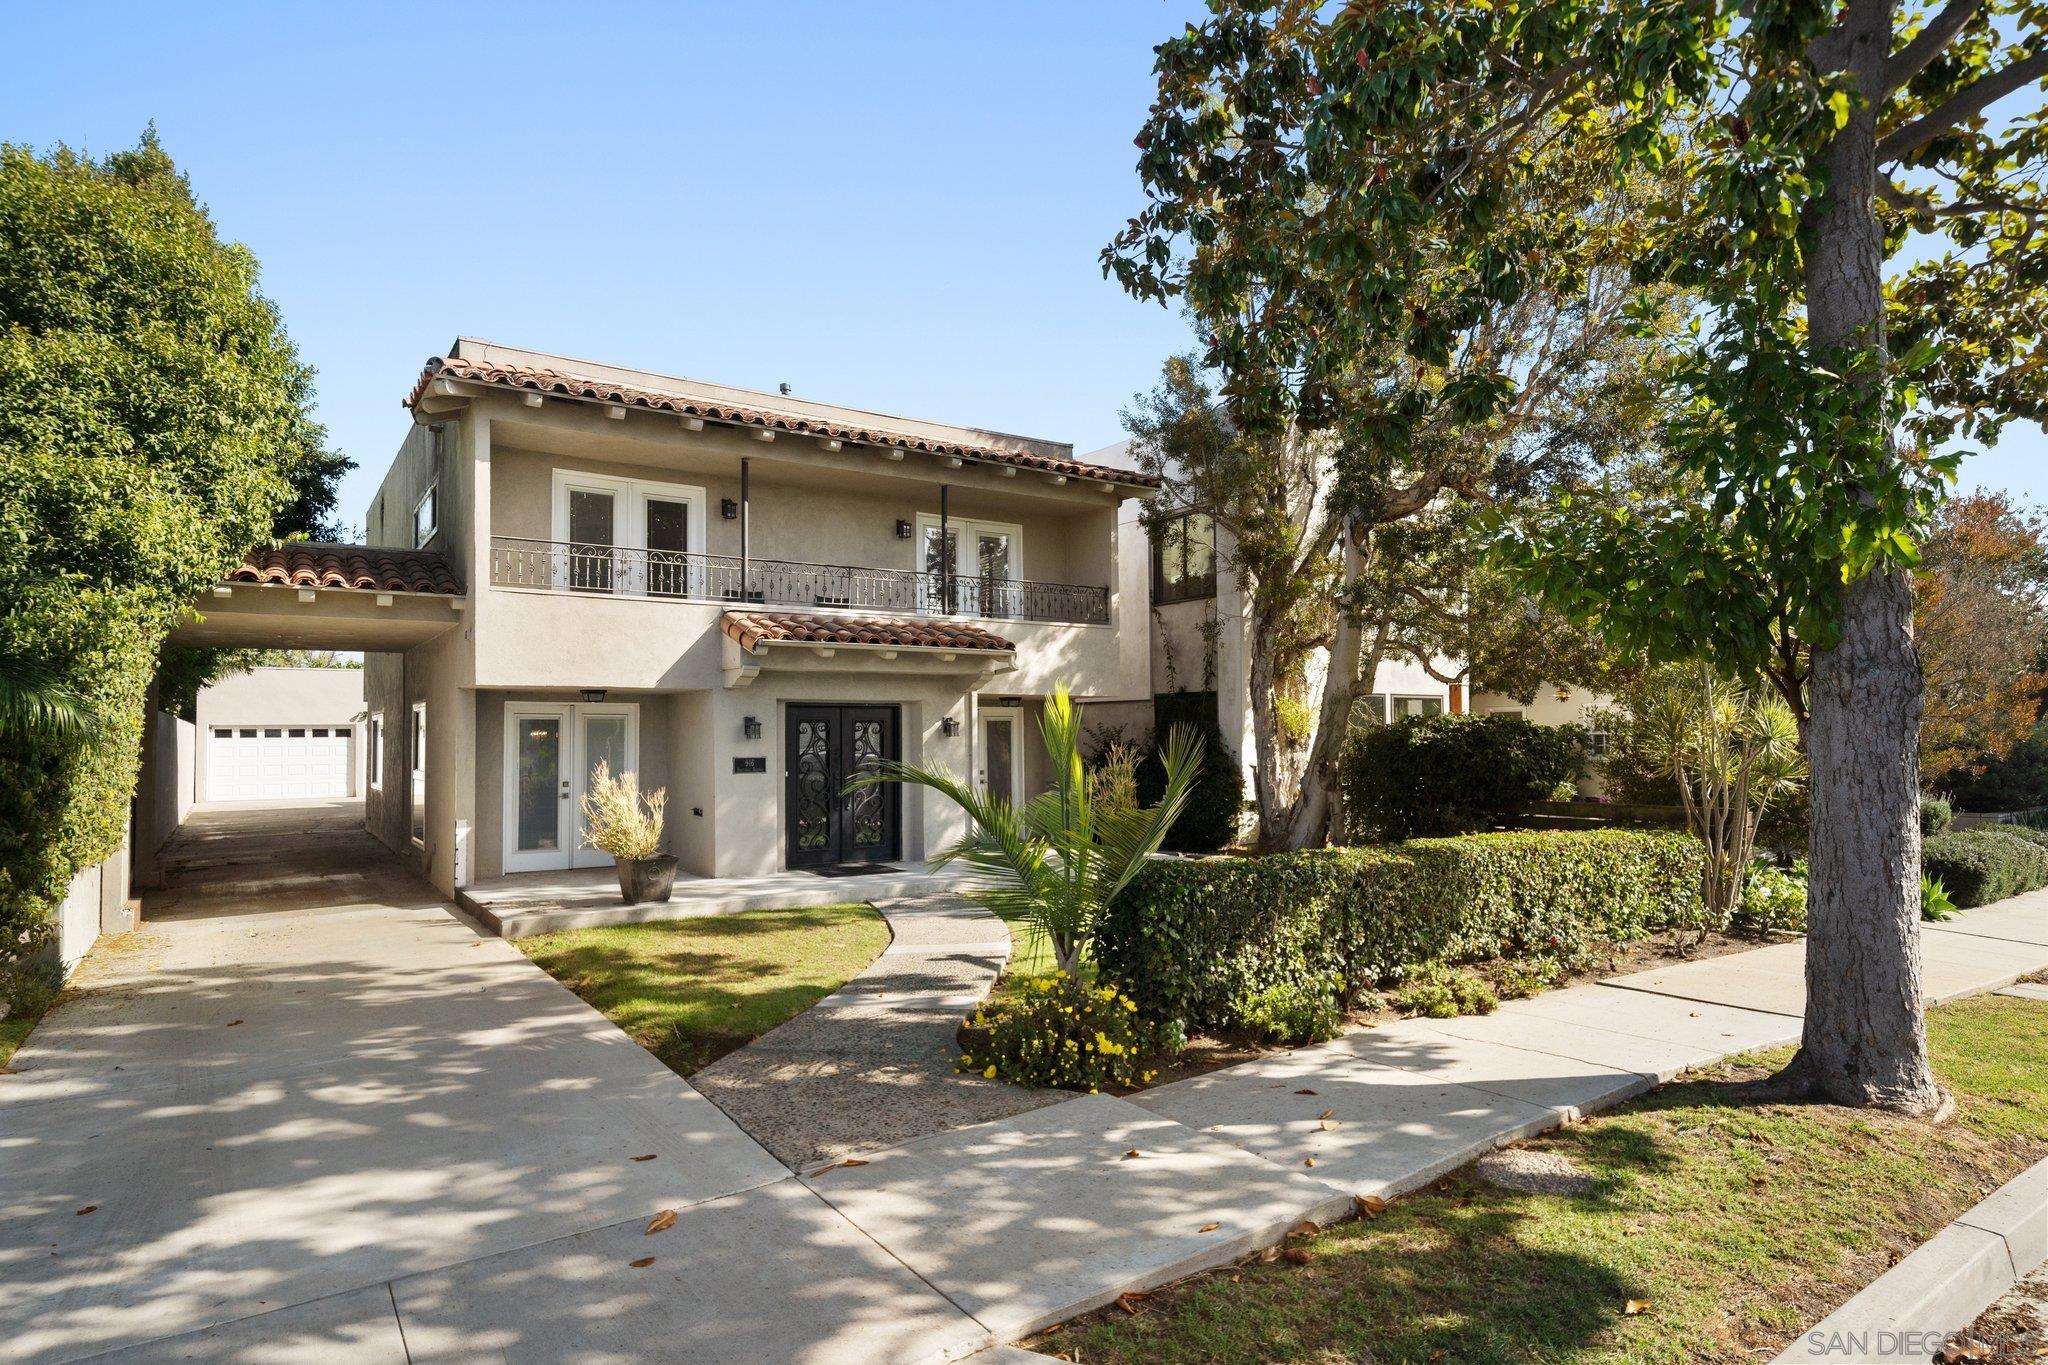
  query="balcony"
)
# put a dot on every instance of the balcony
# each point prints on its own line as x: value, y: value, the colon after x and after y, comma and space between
x: 565, y: 566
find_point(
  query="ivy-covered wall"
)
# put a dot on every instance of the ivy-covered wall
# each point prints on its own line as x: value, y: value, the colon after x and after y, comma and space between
x: 153, y: 426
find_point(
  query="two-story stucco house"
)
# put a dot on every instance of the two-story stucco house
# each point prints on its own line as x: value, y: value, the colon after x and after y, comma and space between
x: 743, y: 597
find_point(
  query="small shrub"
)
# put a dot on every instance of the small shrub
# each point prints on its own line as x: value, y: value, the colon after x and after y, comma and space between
x: 1214, y: 807
x: 1440, y: 774
x: 1061, y: 1032
x: 617, y: 819
x: 1290, y: 1013
x: 1773, y: 900
x: 1520, y: 980
x: 1978, y: 866
x: 1936, y: 815
x: 1113, y: 781
x: 1445, y: 993
x: 2037, y: 837
x: 1934, y: 902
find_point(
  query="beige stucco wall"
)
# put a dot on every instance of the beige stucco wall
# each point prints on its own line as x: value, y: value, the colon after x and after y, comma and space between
x: 281, y: 696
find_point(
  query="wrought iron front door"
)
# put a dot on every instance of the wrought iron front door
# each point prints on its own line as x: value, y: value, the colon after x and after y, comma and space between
x: 828, y: 747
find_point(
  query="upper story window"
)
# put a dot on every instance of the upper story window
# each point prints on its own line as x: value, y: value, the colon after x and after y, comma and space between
x: 426, y: 516
x: 1184, y: 559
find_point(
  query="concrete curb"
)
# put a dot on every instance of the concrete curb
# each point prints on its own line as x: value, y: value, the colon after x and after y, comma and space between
x: 1911, y: 1311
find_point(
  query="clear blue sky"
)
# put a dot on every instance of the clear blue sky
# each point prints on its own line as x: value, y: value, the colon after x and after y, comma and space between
x: 897, y: 206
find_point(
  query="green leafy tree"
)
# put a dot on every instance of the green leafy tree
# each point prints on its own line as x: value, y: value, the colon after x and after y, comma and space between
x: 1812, y: 141
x: 1057, y: 861
x: 153, y: 426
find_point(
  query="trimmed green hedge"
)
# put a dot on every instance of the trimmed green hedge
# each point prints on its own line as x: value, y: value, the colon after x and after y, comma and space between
x: 1985, y: 864
x: 1440, y: 774
x: 1191, y: 940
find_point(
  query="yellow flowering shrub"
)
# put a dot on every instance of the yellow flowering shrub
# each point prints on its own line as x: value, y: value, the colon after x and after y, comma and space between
x: 1059, y: 1031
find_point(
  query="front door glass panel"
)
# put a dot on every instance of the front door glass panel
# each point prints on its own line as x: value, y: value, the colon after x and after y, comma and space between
x: 999, y: 759
x: 540, y: 783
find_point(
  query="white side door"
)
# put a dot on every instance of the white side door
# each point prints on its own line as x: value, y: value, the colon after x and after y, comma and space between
x: 550, y: 749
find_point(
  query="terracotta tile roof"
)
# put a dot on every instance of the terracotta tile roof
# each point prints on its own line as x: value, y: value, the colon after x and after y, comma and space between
x: 568, y: 385
x: 751, y: 628
x: 377, y: 568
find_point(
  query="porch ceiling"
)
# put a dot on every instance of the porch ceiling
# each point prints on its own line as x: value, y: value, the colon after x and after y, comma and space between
x: 270, y: 616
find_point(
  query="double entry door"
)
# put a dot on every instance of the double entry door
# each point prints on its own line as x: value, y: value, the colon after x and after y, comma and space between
x: 827, y: 825
x: 550, y: 748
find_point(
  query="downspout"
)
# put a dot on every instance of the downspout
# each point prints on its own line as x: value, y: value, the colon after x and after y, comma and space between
x: 745, y: 517
x: 945, y: 556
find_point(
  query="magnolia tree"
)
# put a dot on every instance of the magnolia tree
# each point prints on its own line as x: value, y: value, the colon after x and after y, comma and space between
x: 1812, y: 141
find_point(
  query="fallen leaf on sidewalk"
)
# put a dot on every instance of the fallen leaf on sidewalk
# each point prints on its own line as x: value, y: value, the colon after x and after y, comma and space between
x: 1370, y: 1205
x: 87, y: 1209
x: 1129, y: 1302
x: 1131, y: 1154
x: 1304, y: 1091
x: 649, y: 1157
x: 853, y: 1161
x: 1210, y: 1227
x: 1329, y: 1125
x: 233, y: 1022
x: 1297, y: 1255
x: 1634, y: 1307
x: 642, y: 1263
x: 1327, y: 1113
x: 1308, y: 1161
x: 661, y: 1222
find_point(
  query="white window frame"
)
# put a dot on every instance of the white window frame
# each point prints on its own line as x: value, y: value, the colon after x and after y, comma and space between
x: 375, y: 758
x: 575, y: 781
x: 629, y: 525
x: 433, y: 495
x: 963, y: 529
x: 416, y: 763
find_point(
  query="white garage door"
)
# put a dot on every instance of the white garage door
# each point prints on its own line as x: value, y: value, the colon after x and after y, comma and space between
x: 278, y: 762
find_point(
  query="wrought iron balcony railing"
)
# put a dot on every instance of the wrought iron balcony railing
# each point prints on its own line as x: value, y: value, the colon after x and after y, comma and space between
x: 567, y: 566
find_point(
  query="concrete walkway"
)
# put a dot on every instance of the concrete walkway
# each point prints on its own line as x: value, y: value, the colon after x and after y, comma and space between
x: 313, y: 1112
x: 871, y: 1065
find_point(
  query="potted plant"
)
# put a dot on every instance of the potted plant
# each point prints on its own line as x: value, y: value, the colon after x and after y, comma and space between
x: 618, y: 820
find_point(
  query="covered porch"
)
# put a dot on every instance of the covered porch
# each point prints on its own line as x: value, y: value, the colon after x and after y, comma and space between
x: 523, y: 904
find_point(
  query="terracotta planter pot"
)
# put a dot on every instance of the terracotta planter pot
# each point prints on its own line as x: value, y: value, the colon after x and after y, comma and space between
x: 646, y: 879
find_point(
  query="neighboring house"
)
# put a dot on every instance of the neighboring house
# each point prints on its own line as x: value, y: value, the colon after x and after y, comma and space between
x: 280, y: 734
x: 1197, y: 646
x: 743, y: 597
x: 1559, y: 704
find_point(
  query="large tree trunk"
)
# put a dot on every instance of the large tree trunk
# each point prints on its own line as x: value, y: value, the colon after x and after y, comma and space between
x: 1276, y: 785
x: 1865, y: 1039
x: 1310, y: 826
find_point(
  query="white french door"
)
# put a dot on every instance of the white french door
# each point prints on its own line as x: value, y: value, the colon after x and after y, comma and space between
x: 999, y: 765
x: 550, y: 749
x: 627, y: 536
x: 986, y: 558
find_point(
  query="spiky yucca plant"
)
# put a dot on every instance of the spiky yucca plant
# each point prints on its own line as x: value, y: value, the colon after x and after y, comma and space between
x: 1060, y: 858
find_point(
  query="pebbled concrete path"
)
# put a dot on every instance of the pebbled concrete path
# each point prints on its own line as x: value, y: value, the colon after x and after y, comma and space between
x: 871, y: 1065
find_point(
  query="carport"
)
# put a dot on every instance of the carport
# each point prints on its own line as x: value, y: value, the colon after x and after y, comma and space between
x: 306, y: 595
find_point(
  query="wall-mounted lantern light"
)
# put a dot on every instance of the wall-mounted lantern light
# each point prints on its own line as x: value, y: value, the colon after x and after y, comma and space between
x: 750, y: 728
x: 902, y: 530
x: 728, y: 509
x: 1564, y: 694
x: 949, y: 727
x: 593, y: 694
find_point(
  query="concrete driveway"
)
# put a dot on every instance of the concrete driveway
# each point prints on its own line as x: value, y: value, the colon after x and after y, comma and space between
x: 307, y: 1112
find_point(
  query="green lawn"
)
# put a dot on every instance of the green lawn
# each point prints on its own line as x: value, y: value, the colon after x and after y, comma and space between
x: 1735, y: 1228
x: 692, y: 990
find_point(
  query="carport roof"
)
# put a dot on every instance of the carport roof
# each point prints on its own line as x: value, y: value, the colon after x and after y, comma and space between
x: 373, y: 568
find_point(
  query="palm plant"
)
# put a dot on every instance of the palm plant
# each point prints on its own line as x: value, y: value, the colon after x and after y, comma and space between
x: 1059, y: 859
x: 1733, y: 752
x: 34, y: 703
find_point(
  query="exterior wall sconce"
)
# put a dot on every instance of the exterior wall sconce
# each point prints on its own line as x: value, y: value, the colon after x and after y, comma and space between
x: 750, y: 728
x: 593, y: 694
x: 728, y: 509
x: 949, y: 727
x: 902, y: 530
x: 1564, y: 694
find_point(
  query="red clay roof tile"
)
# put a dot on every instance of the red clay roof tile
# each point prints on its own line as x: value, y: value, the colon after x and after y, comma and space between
x: 751, y: 628
x: 605, y: 391
x: 374, y: 568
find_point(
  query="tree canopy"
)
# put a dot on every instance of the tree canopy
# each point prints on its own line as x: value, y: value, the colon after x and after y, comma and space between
x: 154, y: 424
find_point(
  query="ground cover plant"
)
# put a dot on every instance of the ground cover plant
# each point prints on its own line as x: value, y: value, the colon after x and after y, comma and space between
x: 1711, y: 1229
x: 692, y: 990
